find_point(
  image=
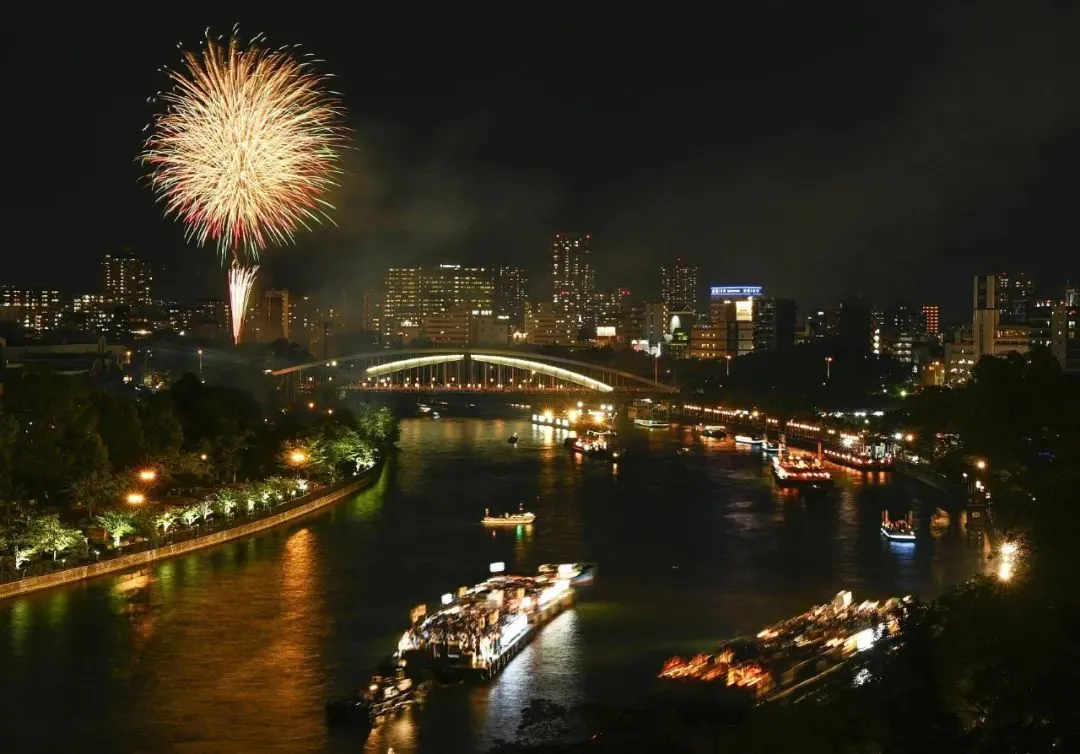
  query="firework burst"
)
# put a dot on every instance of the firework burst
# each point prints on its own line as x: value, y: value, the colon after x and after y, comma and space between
x: 247, y: 146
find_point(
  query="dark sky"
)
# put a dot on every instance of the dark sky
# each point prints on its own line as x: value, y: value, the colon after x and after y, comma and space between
x: 816, y: 153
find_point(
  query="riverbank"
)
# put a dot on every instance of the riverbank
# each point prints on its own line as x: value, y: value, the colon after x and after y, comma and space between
x: 295, y: 509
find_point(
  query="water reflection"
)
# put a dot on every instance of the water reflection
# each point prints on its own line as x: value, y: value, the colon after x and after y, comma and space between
x: 238, y: 647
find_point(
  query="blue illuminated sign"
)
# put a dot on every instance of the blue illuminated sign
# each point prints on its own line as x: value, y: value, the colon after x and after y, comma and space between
x: 735, y: 290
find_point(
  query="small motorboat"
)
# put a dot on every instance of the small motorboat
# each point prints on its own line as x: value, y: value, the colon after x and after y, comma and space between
x: 434, y: 414
x: 897, y: 532
x: 391, y: 688
x: 751, y: 440
x: 512, y: 439
x: 508, y: 519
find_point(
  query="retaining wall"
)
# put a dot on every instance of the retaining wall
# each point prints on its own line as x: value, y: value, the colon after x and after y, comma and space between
x: 319, y: 500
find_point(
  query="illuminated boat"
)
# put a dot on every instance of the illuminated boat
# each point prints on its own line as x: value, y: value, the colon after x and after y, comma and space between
x: 480, y: 629
x: 751, y: 440
x: 512, y: 439
x: 652, y: 423
x: 579, y: 574
x: 390, y: 689
x: 712, y: 430
x: 770, y: 447
x: 508, y: 519
x: 803, y: 472
x: 595, y: 444
x: 860, y: 461
x: 897, y: 532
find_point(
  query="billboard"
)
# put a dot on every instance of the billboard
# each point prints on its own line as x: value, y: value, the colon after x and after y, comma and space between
x: 735, y: 290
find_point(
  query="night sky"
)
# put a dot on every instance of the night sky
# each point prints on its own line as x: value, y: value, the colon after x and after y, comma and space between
x: 817, y: 153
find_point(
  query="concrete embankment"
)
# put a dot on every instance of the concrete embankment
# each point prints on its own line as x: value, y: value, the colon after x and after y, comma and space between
x: 310, y: 504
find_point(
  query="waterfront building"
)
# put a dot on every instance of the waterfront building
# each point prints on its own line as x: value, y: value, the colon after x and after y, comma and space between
x: 731, y: 317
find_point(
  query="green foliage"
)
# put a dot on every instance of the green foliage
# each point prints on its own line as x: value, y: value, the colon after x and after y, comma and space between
x: 97, y: 490
x: 117, y: 523
x: 162, y: 433
x: 48, y: 534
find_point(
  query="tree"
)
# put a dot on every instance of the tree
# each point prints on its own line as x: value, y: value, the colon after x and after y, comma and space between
x: 225, y: 502
x: 305, y: 454
x: 96, y: 489
x: 121, y: 429
x: 229, y: 451
x: 47, y: 534
x: 164, y: 519
x: 9, y: 436
x: 205, y: 509
x: 190, y: 515
x: 117, y: 523
x: 162, y: 432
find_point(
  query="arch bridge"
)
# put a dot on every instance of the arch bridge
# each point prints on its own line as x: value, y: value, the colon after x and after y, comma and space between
x: 465, y: 370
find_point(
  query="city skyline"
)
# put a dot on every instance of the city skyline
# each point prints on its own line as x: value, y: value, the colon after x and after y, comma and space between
x: 814, y: 164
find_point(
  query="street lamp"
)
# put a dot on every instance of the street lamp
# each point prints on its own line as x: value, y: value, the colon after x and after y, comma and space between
x: 135, y: 498
x: 828, y: 367
x: 147, y: 475
x: 727, y: 357
x: 298, y: 457
x: 200, y: 365
x: 980, y: 465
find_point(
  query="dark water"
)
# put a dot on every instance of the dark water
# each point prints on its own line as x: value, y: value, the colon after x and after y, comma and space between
x: 236, y: 649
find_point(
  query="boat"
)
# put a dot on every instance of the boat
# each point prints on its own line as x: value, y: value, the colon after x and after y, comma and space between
x: 899, y: 532
x: 508, y: 519
x: 434, y: 414
x: 595, y: 444
x: 579, y: 574
x: 652, y: 423
x: 785, y: 656
x: 862, y: 461
x: 770, y: 447
x: 803, y: 472
x: 712, y: 430
x: 478, y: 630
x: 751, y: 440
x: 391, y: 688
x: 423, y: 408
x: 512, y: 439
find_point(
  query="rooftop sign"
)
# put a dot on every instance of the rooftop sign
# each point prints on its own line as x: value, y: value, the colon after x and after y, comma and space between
x: 735, y: 290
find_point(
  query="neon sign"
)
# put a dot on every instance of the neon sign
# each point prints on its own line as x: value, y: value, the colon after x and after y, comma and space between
x: 735, y: 290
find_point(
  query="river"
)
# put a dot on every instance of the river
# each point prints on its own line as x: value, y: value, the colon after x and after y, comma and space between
x: 236, y: 649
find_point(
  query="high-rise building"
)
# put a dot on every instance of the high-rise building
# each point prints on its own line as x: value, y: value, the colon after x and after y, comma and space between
x: 547, y: 324
x: 368, y: 312
x: 853, y: 324
x: 985, y: 318
x: 511, y: 294
x: 446, y: 287
x: 774, y: 323
x: 128, y: 279
x: 33, y: 309
x: 275, y: 315
x: 573, y: 279
x: 731, y: 315
x: 401, y: 299
x: 1013, y: 292
x: 678, y: 286
x: 610, y: 307
x: 1065, y: 336
x: 1039, y: 319
x: 931, y: 314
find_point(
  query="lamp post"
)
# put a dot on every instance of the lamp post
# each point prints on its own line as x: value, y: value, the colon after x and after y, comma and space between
x: 828, y: 368
x: 727, y: 366
x: 200, y: 365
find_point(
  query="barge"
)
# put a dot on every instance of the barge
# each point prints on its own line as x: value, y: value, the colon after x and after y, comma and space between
x: 391, y: 689
x: 478, y: 630
x: 860, y: 461
x: 793, y: 652
x: 899, y: 532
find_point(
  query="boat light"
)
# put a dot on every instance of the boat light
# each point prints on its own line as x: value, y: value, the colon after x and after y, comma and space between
x: 447, y: 598
x: 498, y: 567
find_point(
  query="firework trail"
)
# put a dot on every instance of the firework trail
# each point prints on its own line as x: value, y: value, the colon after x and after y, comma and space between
x: 246, y: 149
x: 241, y: 281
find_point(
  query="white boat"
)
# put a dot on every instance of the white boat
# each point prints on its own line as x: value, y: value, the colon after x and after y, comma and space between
x: 508, y: 519
x: 748, y: 440
x: 652, y: 423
